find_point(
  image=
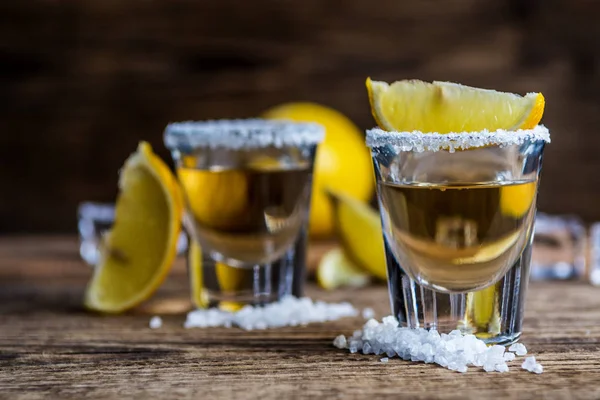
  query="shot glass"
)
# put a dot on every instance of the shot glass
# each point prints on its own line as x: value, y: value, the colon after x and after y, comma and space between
x: 247, y: 186
x: 457, y: 212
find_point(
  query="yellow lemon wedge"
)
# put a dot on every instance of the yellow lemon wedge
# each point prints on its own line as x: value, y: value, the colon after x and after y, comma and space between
x: 216, y: 199
x: 196, y: 275
x: 516, y: 200
x: 230, y: 279
x: 481, y: 307
x: 138, y: 252
x: 343, y: 162
x: 336, y: 270
x: 359, y: 229
x: 414, y: 105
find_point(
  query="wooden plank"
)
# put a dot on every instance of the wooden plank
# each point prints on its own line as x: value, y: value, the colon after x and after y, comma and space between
x: 51, y: 348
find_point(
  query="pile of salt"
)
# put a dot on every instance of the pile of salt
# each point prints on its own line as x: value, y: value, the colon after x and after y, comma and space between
x: 454, y: 351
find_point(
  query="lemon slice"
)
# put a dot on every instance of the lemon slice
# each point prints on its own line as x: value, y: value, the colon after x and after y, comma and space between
x: 359, y: 229
x: 443, y: 107
x: 336, y: 269
x: 138, y: 252
x: 194, y: 259
x: 481, y: 306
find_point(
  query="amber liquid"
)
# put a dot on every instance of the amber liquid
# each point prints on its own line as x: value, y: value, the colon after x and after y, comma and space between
x: 246, y: 216
x: 457, y: 238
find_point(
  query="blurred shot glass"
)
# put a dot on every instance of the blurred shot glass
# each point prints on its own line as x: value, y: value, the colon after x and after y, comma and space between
x: 558, y: 248
x: 93, y: 221
x: 594, y: 268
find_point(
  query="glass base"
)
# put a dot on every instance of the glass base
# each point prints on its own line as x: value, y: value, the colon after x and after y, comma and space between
x: 493, y: 314
x: 233, y: 301
x: 503, y: 340
x: 216, y: 284
x: 232, y: 288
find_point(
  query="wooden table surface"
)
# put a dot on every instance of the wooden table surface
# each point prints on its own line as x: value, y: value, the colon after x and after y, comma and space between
x: 51, y: 348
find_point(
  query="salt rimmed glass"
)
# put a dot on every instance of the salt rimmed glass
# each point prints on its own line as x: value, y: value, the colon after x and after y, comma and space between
x: 247, y: 186
x: 457, y: 212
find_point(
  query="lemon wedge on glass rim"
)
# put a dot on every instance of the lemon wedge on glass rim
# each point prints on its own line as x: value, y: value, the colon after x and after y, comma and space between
x: 443, y: 107
x: 139, y: 250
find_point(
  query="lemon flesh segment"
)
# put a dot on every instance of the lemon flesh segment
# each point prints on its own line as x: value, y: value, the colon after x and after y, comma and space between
x: 343, y: 162
x: 481, y: 307
x: 516, y: 200
x: 359, y: 229
x: 138, y: 252
x: 443, y: 107
x: 336, y: 270
x: 217, y: 200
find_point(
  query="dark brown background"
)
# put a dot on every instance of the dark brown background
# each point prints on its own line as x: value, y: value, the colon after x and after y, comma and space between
x: 83, y: 81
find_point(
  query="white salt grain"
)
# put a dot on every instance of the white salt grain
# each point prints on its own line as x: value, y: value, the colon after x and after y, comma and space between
x: 532, y: 366
x: 340, y: 342
x: 518, y: 348
x: 489, y: 367
x: 289, y: 311
x: 502, y: 367
x: 462, y: 369
x: 155, y: 322
x: 454, y: 351
x: 368, y: 313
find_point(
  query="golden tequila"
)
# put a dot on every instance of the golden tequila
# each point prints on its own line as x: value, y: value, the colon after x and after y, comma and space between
x: 456, y: 237
x: 247, y: 216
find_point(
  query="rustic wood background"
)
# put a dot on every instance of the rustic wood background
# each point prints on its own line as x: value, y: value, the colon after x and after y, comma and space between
x: 83, y: 81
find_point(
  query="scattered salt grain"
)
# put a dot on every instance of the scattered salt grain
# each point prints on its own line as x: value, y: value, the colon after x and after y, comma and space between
x: 502, y: 367
x: 455, y: 351
x: 518, y: 348
x: 340, y: 342
x: 289, y: 311
x: 155, y: 322
x: 368, y: 313
x: 384, y: 360
x: 532, y: 366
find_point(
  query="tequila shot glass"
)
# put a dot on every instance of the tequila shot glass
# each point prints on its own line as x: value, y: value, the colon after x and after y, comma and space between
x: 457, y: 212
x: 247, y: 186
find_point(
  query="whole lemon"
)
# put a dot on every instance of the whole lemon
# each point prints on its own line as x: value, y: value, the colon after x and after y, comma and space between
x: 343, y: 161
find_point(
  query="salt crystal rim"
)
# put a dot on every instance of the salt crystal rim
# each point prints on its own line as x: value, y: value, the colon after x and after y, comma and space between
x: 242, y: 133
x: 420, y: 141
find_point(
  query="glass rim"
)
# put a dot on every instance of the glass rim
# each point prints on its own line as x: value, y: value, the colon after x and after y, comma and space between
x: 238, y: 134
x: 432, y: 141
